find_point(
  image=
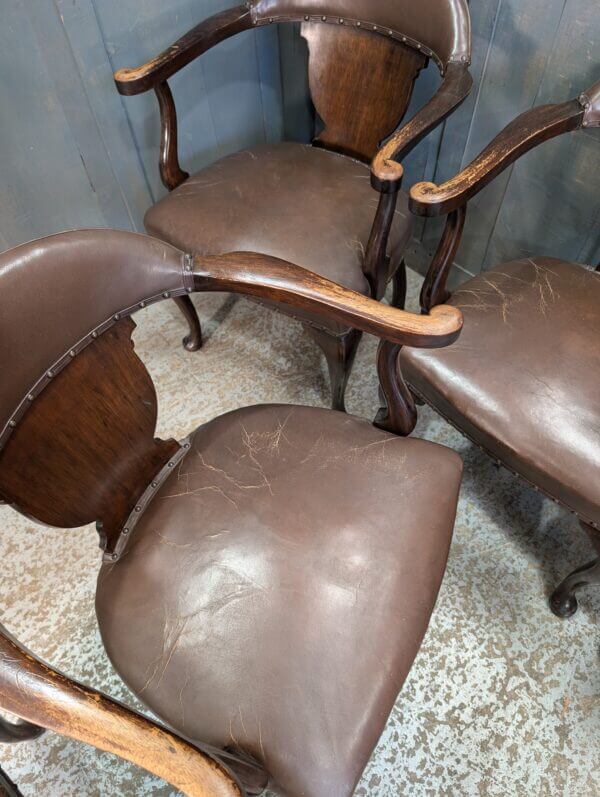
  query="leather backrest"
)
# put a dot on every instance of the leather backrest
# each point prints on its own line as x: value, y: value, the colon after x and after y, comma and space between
x: 442, y: 28
x: 56, y: 292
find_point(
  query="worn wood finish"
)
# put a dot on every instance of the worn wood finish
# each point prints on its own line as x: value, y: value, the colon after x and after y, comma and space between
x: 339, y: 351
x: 201, y: 38
x: 85, y: 450
x: 270, y: 278
x: 360, y: 84
x: 400, y: 413
x: 171, y: 172
x: 525, y: 132
x: 434, y: 291
x: 39, y: 694
x: 455, y: 88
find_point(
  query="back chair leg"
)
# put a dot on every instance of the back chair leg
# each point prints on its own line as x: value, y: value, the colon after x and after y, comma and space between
x: 193, y: 341
x: 339, y: 351
x: 399, y: 287
x: 563, y: 601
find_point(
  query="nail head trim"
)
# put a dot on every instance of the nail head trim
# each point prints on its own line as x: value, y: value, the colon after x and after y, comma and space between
x: 143, y: 502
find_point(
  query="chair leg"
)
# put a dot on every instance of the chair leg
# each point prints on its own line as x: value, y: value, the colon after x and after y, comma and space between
x: 399, y: 287
x: 192, y: 341
x: 563, y: 601
x: 7, y: 787
x: 339, y: 351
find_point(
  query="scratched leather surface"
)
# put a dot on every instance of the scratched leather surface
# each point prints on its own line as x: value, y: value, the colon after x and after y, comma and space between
x: 523, y: 380
x: 442, y: 25
x: 306, y: 205
x: 275, y: 592
x: 69, y: 283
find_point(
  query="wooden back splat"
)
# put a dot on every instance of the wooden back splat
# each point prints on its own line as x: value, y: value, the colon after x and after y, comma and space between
x: 85, y: 450
x: 360, y: 83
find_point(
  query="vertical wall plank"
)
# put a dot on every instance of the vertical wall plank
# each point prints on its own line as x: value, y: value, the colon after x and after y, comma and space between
x: 77, y: 154
x: 50, y: 175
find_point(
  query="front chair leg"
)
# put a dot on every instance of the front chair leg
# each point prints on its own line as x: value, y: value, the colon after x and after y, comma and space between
x: 563, y: 601
x: 193, y: 341
x: 339, y: 351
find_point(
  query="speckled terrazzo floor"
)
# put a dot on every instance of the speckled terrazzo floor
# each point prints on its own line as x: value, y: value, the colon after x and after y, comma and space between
x: 503, y: 699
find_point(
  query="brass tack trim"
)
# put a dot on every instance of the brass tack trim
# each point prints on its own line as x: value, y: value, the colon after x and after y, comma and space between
x: 71, y: 353
x: 143, y: 502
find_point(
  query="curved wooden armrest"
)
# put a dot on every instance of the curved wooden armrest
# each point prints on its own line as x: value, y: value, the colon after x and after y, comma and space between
x: 386, y: 171
x: 270, y: 278
x: 522, y: 134
x: 39, y: 694
x: 197, y: 41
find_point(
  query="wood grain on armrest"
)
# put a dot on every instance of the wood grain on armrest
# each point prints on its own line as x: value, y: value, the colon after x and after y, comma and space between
x: 39, y: 694
x: 522, y: 134
x: 197, y: 41
x: 455, y: 88
x: 270, y: 278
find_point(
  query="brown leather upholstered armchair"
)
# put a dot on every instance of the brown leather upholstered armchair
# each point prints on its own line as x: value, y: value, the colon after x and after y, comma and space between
x: 524, y: 380
x: 313, y: 205
x: 266, y: 581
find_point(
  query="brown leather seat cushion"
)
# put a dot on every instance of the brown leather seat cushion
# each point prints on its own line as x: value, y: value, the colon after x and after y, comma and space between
x: 276, y: 590
x: 306, y: 205
x: 523, y: 380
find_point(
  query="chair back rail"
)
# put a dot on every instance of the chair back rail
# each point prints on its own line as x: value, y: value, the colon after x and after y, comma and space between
x: 360, y: 86
x: 364, y: 57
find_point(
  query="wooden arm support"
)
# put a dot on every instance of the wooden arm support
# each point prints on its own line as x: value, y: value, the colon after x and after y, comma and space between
x: 39, y: 694
x: 197, y: 41
x: 270, y: 278
x: 386, y: 171
x: 525, y: 132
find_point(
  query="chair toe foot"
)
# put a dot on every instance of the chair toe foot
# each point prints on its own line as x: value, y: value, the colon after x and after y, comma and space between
x: 563, y: 603
x: 192, y: 342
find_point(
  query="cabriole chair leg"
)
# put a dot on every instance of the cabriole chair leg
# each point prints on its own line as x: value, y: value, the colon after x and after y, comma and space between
x: 192, y: 341
x: 339, y: 351
x: 399, y: 287
x: 7, y: 787
x: 563, y: 601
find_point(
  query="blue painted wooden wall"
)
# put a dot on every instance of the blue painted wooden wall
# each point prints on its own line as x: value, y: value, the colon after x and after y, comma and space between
x: 75, y: 153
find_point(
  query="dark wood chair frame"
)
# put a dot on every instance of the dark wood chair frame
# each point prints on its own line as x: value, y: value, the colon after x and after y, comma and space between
x: 106, y: 386
x: 450, y: 199
x: 329, y: 37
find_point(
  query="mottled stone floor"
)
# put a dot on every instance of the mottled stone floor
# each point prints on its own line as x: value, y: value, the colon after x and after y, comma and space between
x: 503, y: 699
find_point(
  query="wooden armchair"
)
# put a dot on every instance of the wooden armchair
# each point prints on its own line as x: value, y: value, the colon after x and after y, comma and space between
x: 266, y: 582
x: 524, y: 380
x: 313, y: 205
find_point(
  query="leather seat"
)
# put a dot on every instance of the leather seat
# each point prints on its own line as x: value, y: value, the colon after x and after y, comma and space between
x: 523, y: 380
x: 275, y: 592
x: 307, y: 205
